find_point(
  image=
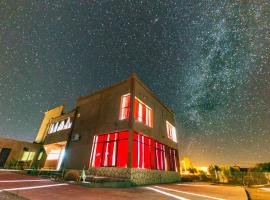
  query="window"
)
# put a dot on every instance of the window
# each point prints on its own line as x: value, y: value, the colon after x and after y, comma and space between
x: 124, y: 107
x: 61, y: 125
x: 172, y: 159
x: 143, y: 113
x: 28, y: 156
x: 142, y: 152
x: 150, y: 154
x: 160, y: 156
x: 110, y: 150
x: 171, y: 132
x: 40, y: 155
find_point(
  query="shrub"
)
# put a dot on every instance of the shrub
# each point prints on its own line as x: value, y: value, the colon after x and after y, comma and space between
x: 72, y: 175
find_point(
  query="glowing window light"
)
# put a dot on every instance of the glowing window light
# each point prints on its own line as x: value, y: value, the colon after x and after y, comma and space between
x: 110, y: 150
x: 68, y: 124
x: 60, y: 125
x: 28, y: 156
x: 54, y: 154
x: 143, y: 113
x: 60, y: 160
x: 171, y: 131
x: 124, y: 107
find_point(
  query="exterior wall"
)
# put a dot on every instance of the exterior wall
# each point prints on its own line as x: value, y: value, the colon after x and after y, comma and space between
x: 48, y: 116
x: 17, y: 149
x: 117, y: 172
x: 160, y: 115
x: 137, y: 176
x: 62, y: 135
x: 146, y: 176
x: 98, y: 114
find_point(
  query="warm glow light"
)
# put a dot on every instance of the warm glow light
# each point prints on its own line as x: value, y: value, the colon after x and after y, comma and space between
x: 61, y: 125
x: 143, y: 113
x: 171, y: 131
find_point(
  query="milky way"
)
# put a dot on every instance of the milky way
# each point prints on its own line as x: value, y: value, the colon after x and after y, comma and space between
x: 208, y: 61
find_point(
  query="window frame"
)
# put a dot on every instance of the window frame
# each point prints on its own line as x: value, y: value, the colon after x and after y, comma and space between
x: 144, y: 114
x: 171, y: 132
x: 106, y: 143
x: 124, y: 109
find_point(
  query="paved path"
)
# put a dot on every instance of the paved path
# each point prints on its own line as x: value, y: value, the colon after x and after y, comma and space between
x: 42, y: 189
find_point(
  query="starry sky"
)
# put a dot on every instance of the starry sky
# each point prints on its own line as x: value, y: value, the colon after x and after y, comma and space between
x: 209, y: 61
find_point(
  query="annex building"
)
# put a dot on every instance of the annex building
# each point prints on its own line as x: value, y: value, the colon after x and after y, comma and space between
x: 121, y: 131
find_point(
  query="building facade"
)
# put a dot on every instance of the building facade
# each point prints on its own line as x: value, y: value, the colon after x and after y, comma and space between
x: 122, y: 131
x: 18, y: 154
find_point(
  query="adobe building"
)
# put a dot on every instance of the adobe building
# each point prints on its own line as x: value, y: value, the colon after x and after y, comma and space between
x: 121, y: 131
x: 17, y: 154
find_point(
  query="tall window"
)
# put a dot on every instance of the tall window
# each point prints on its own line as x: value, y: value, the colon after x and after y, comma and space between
x: 143, y: 113
x: 172, y: 159
x: 124, y: 107
x: 160, y: 156
x: 110, y: 150
x: 143, y: 153
x: 150, y: 154
x: 171, y: 131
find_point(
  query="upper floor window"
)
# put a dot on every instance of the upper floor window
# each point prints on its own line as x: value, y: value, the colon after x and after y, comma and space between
x: 60, y: 125
x: 124, y: 107
x: 171, y: 131
x: 143, y: 113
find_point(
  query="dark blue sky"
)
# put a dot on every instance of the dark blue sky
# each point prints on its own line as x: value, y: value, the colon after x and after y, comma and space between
x: 209, y: 62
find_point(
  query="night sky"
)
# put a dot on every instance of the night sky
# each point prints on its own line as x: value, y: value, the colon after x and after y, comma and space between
x: 208, y: 61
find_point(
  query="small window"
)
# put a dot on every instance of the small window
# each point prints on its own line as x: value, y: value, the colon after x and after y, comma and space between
x: 124, y: 107
x: 28, y: 156
x: 40, y: 155
x: 171, y: 131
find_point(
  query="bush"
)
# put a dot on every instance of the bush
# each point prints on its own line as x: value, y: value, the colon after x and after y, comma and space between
x: 72, y: 175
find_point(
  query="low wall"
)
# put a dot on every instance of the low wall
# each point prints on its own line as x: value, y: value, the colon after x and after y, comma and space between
x: 146, y: 176
x: 110, y: 172
x: 137, y: 176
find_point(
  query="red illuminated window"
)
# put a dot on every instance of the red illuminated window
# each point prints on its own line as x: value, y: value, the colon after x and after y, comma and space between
x: 110, y: 150
x: 142, y: 152
x: 150, y: 154
x: 171, y: 132
x: 160, y: 156
x: 143, y: 113
x: 124, y: 107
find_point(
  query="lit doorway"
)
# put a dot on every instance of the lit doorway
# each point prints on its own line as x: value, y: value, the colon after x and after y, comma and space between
x: 55, y: 155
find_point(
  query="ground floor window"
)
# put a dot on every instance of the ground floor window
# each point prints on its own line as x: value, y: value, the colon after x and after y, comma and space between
x: 150, y: 154
x: 172, y: 159
x: 110, y: 150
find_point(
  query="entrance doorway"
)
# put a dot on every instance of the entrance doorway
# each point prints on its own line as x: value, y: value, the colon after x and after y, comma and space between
x: 4, y: 153
x: 55, y: 154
